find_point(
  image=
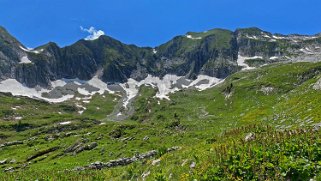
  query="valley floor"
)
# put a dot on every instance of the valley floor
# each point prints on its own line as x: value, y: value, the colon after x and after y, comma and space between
x: 261, y: 124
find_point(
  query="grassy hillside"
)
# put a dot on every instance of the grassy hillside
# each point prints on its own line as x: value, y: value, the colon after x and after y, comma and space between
x: 275, y: 107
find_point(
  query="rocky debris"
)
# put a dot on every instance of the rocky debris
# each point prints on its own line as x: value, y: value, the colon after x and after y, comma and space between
x: 58, y: 135
x: 52, y: 137
x: 123, y: 161
x: 79, y: 169
x: 69, y: 134
x: 316, y: 127
x: 317, y: 85
x: 9, y: 169
x: 11, y: 143
x: 249, y: 137
x: 80, y: 146
x: 32, y: 138
x: 120, y: 131
x: 174, y: 148
x: 76, y: 145
x: 156, y: 162
x: 43, y: 152
x: 86, y: 147
x: 145, y: 174
x: 145, y: 138
x: 267, y: 90
x: 2, y: 162
x: 73, y: 147
x: 13, y: 161
x: 128, y: 139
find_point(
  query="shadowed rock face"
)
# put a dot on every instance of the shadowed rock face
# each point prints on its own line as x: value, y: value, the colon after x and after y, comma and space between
x: 214, y: 53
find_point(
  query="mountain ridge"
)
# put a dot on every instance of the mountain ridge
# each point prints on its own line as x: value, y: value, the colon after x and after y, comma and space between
x: 215, y: 53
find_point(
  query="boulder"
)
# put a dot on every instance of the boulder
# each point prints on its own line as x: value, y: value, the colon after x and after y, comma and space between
x: 2, y: 162
x: 249, y: 137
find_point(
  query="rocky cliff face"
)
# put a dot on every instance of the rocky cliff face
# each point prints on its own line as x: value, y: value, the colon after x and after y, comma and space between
x: 213, y: 53
x: 253, y: 42
x: 216, y: 53
x: 10, y: 54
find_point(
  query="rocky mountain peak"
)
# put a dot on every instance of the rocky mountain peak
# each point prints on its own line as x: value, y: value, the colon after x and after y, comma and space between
x: 217, y: 53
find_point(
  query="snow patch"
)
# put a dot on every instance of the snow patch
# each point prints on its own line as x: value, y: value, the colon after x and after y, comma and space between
x: 83, y: 91
x: 252, y: 37
x: 193, y: 38
x: 278, y: 37
x: 265, y: 35
x: 154, y: 51
x: 166, y: 85
x: 102, y: 86
x: 81, y: 107
x: 31, y: 50
x: 211, y: 82
x: 274, y: 58
x: 241, y: 61
x: 25, y: 60
x: 58, y: 83
x: 17, y: 89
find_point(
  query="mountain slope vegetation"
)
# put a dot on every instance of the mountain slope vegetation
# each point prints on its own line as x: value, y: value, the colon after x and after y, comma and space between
x: 260, y: 124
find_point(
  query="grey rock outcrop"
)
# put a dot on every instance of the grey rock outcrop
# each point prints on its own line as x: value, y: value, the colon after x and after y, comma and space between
x: 80, y: 146
x: 123, y: 161
x: 11, y: 143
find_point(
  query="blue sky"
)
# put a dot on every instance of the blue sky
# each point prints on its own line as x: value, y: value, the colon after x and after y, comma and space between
x: 151, y: 22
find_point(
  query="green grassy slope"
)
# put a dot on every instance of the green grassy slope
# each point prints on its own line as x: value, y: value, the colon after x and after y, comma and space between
x: 208, y: 126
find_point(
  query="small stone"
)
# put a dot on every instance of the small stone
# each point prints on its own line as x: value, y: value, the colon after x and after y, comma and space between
x: 10, y: 169
x: 3, y: 161
x: 79, y: 169
x: 145, y: 174
x: 145, y: 138
x: 193, y: 165
x: 317, y: 127
x: 249, y: 137
x: 156, y: 162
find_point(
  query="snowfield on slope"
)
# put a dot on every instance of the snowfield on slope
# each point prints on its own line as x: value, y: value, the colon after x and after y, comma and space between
x: 241, y: 61
x: 165, y: 86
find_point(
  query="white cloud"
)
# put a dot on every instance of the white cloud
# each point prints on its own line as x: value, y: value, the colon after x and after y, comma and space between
x: 94, y: 34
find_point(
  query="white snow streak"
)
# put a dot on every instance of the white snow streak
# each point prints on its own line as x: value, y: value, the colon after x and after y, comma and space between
x: 193, y: 38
